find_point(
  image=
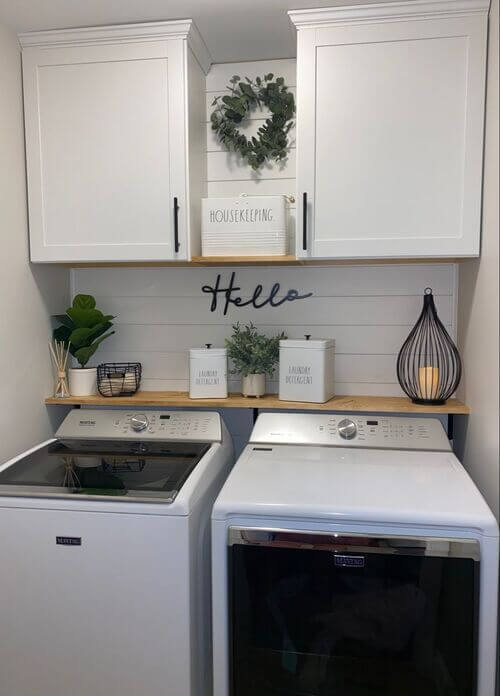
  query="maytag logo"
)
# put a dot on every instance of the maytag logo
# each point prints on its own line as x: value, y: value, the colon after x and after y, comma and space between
x: 350, y: 561
x: 87, y: 422
x: 68, y: 541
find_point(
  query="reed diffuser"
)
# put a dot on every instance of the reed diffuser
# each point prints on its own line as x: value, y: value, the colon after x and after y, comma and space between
x: 59, y: 353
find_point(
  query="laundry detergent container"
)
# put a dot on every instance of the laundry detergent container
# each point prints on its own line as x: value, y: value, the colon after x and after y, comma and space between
x: 307, y: 369
x: 208, y: 373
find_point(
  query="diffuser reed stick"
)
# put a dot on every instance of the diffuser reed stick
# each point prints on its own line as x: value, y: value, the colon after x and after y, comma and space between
x: 59, y: 353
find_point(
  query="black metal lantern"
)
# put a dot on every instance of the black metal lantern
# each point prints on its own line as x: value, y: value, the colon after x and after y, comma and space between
x: 429, y: 366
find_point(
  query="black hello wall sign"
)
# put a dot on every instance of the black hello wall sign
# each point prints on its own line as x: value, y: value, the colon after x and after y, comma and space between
x: 227, y: 295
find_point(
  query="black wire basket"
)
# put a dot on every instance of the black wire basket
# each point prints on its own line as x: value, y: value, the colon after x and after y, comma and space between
x: 118, y: 379
x: 429, y: 368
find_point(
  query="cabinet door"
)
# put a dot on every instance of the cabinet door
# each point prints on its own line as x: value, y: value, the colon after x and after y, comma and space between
x: 390, y: 137
x: 105, y: 140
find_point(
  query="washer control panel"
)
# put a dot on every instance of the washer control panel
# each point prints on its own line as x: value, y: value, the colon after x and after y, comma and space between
x: 97, y: 424
x: 350, y: 430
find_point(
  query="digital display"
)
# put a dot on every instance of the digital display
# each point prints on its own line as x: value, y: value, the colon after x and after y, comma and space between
x: 371, y: 422
x: 164, y: 417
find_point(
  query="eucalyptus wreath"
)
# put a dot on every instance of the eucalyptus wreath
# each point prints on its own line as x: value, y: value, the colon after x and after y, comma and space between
x: 272, y: 140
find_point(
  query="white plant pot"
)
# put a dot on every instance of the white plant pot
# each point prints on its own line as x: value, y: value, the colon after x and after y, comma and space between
x: 82, y: 381
x: 254, y: 385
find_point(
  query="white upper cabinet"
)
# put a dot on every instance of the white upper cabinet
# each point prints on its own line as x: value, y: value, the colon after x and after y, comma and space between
x: 390, y: 129
x: 114, y: 142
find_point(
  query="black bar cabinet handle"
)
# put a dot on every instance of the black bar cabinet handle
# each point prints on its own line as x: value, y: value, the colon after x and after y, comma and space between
x: 304, y: 221
x: 176, y: 225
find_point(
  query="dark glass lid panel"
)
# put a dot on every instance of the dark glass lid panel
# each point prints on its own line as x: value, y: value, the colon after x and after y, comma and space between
x: 154, y: 471
x: 399, y: 626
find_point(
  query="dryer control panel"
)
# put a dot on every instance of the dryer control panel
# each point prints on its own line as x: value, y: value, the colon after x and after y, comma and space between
x: 350, y: 430
x: 107, y: 424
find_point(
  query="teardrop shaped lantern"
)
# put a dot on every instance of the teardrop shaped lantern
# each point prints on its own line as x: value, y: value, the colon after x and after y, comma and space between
x: 429, y: 366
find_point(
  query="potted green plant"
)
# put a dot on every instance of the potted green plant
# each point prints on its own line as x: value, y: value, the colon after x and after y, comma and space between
x: 83, y: 328
x: 254, y: 356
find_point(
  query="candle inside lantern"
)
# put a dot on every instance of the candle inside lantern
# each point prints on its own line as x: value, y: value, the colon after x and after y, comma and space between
x: 428, y: 379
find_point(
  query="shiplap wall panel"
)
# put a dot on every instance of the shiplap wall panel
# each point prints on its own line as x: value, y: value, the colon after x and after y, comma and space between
x: 369, y: 311
x: 351, y: 281
x: 224, y: 166
x: 255, y: 187
x: 375, y: 311
x: 220, y: 73
x: 355, y: 340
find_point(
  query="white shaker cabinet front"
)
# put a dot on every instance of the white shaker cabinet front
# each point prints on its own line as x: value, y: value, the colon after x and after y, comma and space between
x: 390, y: 129
x: 107, y: 119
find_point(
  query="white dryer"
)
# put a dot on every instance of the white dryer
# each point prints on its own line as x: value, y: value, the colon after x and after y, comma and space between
x: 353, y: 556
x: 105, y: 556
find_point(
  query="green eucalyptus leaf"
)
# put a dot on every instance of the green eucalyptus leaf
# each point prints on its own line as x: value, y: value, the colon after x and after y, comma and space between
x: 246, y: 89
x: 234, y: 116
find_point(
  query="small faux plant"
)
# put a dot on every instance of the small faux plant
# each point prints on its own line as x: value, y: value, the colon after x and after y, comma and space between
x: 252, y: 353
x: 83, y: 327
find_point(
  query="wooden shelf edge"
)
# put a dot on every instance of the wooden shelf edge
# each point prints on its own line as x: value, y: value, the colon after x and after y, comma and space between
x: 372, y: 404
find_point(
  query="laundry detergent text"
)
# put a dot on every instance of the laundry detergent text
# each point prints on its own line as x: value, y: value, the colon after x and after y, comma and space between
x: 299, y: 374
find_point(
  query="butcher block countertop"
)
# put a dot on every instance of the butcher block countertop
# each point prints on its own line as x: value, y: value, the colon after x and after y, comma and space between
x: 375, y: 404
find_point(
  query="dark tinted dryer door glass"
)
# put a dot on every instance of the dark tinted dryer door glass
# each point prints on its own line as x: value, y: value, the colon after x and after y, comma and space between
x: 303, y: 625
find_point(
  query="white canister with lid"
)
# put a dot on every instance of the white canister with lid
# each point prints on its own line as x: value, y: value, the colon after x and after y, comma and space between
x: 306, y: 369
x: 208, y: 373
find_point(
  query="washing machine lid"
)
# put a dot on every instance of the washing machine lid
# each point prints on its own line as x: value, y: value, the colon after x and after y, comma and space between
x: 104, y: 469
x: 418, y: 488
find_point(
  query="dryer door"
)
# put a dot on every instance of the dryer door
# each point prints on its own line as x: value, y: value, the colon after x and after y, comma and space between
x: 315, y: 614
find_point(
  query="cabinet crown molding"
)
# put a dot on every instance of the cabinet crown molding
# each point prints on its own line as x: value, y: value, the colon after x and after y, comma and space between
x: 386, y: 11
x: 123, y: 33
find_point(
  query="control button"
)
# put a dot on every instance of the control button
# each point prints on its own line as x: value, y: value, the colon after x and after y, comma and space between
x: 347, y: 429
x: 139, y: 422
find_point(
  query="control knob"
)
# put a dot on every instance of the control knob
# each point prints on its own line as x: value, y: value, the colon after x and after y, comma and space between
x: 139, y: 422
x: 347, y: 429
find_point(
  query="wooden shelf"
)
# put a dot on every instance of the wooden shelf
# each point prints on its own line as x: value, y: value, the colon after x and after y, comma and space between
x: 200, y: 261
x: 375, y: 404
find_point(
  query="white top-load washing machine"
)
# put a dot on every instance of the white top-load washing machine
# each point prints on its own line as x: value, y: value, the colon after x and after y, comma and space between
x: 352, y: 556
x: 105, y: 556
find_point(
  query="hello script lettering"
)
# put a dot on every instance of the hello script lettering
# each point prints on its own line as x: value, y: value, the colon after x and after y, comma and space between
x: 256, y: 300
